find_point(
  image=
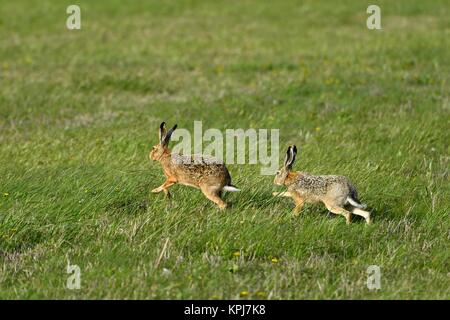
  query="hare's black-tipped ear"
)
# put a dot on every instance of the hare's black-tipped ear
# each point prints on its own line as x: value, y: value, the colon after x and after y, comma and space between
x: 294, y: 154
x: 287, y: 158
x: 168, y: 135
x: 162, y: 132
x: 290, y: 157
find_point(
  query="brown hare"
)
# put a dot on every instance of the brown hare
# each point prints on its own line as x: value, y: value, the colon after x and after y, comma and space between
x: 207, y: 173
x: 337, y: 193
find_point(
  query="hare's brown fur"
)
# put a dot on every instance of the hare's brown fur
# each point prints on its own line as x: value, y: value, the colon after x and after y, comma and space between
x: 205, y: 173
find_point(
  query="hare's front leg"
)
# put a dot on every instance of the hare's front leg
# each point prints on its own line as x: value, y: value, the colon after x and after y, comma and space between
x: 299, y: 202
x: 282, y: 194
x: 164, y: 187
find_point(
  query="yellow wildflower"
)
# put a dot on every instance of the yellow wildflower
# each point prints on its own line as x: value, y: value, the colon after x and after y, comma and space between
x: 244, y: 294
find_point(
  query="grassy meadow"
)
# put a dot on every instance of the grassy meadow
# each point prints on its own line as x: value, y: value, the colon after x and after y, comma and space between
x: 79, y: 113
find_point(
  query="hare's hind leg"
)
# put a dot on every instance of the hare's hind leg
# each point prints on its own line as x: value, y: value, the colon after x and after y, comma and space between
x: 339, y: 210
x: 213, y: 194
x: 363, y: 213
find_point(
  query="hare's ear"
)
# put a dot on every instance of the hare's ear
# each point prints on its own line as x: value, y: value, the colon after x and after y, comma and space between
x: 162, y: 132
x: 287, y: 158
x: 168, y: 135
x: 293, y: 154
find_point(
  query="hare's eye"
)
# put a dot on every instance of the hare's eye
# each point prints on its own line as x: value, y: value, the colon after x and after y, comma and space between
x: 278, y: 172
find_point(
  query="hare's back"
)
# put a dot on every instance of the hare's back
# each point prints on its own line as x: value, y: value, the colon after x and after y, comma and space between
x: 320, y: 185
x: 198, y: 168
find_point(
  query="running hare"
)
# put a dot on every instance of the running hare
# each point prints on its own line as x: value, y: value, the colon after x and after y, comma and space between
x: 336, y: 192
x: 206, y: 173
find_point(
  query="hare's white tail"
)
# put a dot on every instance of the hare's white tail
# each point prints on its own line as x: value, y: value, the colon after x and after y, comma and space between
x: 231, y: 188
x: 355, y: 203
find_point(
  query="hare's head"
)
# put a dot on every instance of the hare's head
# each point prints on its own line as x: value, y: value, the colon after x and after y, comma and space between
x: 164, y: 137
x: 283, y: 173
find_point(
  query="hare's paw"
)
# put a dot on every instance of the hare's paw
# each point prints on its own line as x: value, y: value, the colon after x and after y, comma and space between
x: 348, y: 218
x: 157, y: 190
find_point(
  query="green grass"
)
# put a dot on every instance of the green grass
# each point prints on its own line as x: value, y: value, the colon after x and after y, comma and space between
x: 79, y: 112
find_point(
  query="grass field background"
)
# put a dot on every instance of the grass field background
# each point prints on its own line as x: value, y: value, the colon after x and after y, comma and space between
x: 79, y: 112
